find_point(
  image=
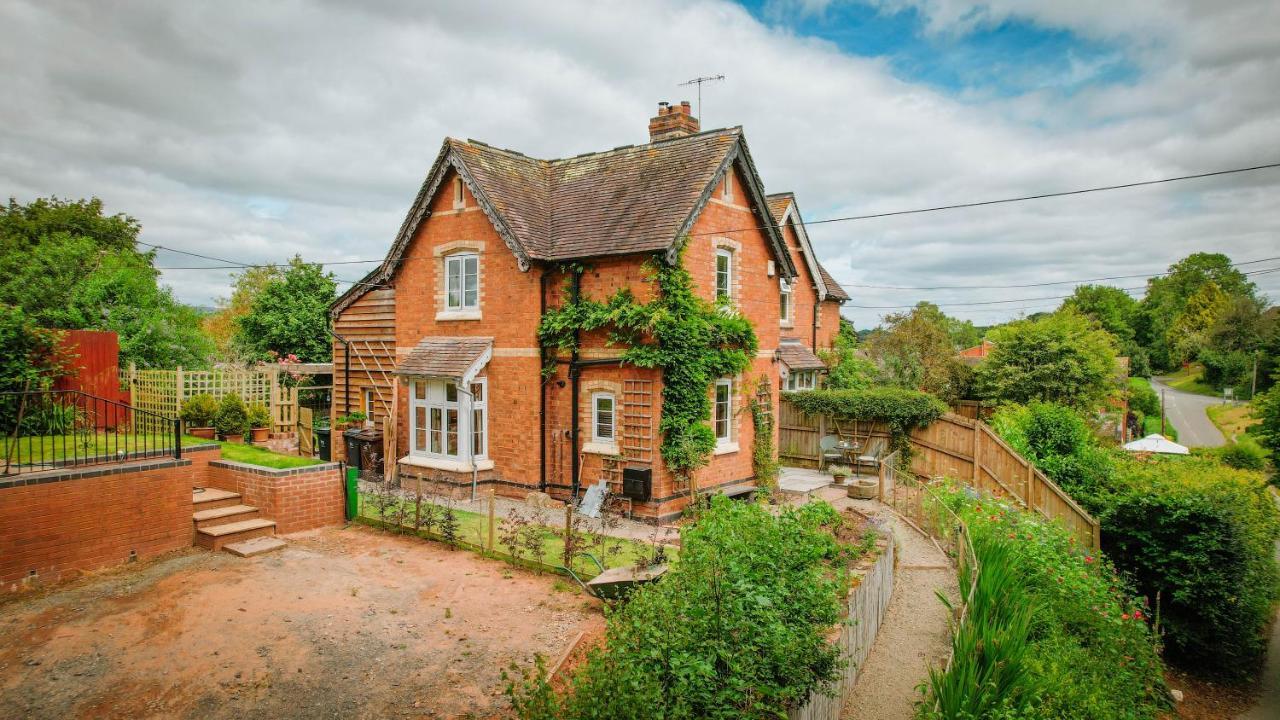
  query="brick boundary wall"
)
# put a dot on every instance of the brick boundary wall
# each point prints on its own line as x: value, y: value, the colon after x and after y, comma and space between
x: 296, y: 498
x: 59, y: 524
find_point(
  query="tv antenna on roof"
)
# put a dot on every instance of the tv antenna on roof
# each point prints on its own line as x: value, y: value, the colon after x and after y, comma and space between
x: 698, y: 81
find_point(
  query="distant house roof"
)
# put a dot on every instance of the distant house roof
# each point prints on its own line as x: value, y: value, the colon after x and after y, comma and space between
x: 783, y: 208
x: 796, y: 356
x: 459, y: 358
x: 632, y: 199
x: 979, y: 351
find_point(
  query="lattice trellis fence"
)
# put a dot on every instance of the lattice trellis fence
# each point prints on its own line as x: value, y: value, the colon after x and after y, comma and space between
x: 164, y: 391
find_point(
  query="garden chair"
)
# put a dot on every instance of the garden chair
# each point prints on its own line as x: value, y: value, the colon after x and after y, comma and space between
x: 827, y: 448
x: 875, y: 451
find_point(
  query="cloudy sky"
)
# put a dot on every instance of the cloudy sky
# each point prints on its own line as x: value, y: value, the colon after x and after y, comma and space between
x: 253, y: 131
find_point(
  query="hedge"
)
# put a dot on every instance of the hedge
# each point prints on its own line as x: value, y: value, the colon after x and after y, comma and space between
x: 900, y: 409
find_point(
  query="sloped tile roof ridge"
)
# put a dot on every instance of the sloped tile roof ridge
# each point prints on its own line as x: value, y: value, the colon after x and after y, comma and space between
x: 736, y: 130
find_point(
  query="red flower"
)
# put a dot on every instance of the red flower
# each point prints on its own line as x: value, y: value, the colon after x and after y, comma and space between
x: 1125, y: 616
x: 1088, y: 559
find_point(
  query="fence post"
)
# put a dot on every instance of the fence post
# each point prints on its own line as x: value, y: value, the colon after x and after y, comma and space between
x: 180, y: 388
x: 880, y: 489
x: 177, y: 438
x: 977, y: 428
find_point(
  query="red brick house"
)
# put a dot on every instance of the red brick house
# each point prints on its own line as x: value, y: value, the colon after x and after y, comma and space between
x: 445, y: 330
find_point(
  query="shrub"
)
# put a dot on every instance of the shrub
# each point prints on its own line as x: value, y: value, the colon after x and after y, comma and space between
x: 1058, y: 441
x: 232, y: 417
x: 199, y: 410
x: 1062, y: 357
x: 1142, y: 397
x: 1201, y: 536
x: 1268, y: 431
x: 901, y: 409
x: 1052, y: 631
x: 259, y: 416
x: 737, y: 629
x: 1244, y: 454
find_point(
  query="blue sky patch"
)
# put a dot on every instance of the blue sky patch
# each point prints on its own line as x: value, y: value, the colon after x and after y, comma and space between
x: 1000, y: 60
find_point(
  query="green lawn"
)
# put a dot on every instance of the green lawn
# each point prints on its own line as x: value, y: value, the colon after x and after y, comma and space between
x: 84, y: 446
x: 1151, y: 424
x: 472, y: 529
x: 1191, y: 379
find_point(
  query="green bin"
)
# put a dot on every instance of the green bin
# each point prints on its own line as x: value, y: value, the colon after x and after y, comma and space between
x: 353, y: 492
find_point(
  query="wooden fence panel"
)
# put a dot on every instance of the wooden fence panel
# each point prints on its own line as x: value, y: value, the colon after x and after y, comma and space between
x: 952, y: 446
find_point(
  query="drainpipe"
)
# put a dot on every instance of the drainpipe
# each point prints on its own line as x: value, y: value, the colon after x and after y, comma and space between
x: 346, y: 372
x: 542, y: 389
x: 575, y: 292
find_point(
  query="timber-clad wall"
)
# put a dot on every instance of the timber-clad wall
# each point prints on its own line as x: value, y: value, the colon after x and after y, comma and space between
x: 369, y: 326
x: 946, y: 448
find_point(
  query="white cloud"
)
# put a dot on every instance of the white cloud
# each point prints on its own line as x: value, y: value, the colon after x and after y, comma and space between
x: 253, y: 131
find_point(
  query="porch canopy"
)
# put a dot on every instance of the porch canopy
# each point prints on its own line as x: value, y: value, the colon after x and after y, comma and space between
x: 455, y: 358
x: 796, y: 356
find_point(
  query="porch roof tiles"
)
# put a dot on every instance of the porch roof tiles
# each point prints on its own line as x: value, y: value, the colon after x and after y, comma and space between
x: 445, y: 357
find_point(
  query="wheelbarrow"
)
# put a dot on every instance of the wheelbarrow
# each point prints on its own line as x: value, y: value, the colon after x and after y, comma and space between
x: 613, y: 585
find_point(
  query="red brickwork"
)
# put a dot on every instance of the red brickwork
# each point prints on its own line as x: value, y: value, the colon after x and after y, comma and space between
x: 297, y: 499
x: 73, y: 521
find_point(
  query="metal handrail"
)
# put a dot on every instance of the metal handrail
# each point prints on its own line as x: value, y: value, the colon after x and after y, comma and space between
x: 43, y: 430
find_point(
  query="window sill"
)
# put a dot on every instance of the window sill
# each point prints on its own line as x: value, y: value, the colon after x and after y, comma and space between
x: 443, y: 464
x: 726, y: 448
x: 601, y: 448
x: 457, y: 315
x: 786, y: 324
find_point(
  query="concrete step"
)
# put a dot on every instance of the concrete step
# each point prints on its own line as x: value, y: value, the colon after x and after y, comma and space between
x: 256, y: 546
x: 215, y: 537
x: 222, y: 515
x: 210, y: 498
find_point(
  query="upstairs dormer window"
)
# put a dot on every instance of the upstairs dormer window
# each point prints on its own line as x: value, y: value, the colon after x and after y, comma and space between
x: 724, y: 276
x: 784, y: 300
x: 462, y: 281
x: 459, y: 200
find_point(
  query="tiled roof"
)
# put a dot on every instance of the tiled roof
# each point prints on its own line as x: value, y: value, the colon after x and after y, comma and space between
x: 447, y: 357
x: 834, y: 291
x: 778, y: 203
x: 626, y: 200
x: 798, y: 357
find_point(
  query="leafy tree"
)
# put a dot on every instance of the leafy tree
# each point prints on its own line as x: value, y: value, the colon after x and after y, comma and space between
x: 220, y: 326
x: 1190, y: 330
x: 1064, y: 358
x: 31, y: 360
x: 69, y: 266
x: 289, y: 315
x: 1112, y: 308
x: 1267, y: 408
x: 914, y: 350
x: 847, y: 371
x: 1167, y: 297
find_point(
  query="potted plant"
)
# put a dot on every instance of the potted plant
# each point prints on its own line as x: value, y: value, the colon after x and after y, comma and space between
x: 232, y: 421
x: 350, y: 420
x: 198, y: 413
x: 259, y: 422
x: 840, y: 472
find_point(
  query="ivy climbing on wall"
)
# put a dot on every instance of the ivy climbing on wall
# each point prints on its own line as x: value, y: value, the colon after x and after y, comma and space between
x: 764, y: 461
x: 690, y: 340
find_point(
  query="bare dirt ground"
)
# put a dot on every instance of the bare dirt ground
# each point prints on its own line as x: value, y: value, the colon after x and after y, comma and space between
x: 343, y: 623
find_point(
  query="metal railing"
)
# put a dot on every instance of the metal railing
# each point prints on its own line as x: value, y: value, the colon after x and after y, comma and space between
x: 43, y: 430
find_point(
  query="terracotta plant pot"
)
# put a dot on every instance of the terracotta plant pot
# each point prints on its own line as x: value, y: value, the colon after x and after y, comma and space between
x: 260, y: 434
x: 840, y: 479
x: 205, y: 432
x: 233, y: 438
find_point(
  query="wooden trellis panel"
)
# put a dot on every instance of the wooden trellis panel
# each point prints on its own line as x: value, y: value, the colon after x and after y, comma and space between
x: 637, y: 421
x: 164, y: 391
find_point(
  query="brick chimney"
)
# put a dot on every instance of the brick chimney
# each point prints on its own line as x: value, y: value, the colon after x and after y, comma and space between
x: 673, y: 121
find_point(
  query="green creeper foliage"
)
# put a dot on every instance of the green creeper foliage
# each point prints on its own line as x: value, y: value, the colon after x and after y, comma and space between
x: 736, y: 630
x: 289, y: 316
x: 901, y: 409
x: 691, y: 340
x: 1063, y: 357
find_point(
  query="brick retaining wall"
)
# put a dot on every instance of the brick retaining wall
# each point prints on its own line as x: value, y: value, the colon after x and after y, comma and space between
x: 296, y: 498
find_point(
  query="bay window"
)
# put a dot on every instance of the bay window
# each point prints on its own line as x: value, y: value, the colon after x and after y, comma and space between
x: 442, y: 418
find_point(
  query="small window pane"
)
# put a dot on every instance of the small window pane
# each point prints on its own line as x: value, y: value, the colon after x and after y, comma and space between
x: 419, y: 428
x: 477, y: 432
x: 453, y: 282
x: 604, y: 417
x: 477, y: 391
x: 451, y: 432
x: 420, y: 390
x: 450, y: 392
x: 437, y: 429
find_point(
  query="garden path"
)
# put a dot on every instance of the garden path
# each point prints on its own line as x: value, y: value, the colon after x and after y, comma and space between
x: 914, y: 635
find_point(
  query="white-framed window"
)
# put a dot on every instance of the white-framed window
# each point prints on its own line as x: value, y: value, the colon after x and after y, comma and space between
x: 480, y: 418
x: 802, y: 380
x: 603, y: 415
x: 724, y: 275
x: 784, y: 299
x: 462, y: 281
x: 722, y: 418
x: 459, y: 199
x: 369, y: 396
x: 442, y: 419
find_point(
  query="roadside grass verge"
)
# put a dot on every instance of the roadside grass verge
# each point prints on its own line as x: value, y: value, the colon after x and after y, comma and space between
x: 1191, y: 379
x: 1233, y: 420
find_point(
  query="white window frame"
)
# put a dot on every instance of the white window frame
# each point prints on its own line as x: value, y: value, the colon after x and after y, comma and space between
x: 368, y: 403
x: 460, y: 261
x: 800, y: 380
x: 596, y: 437
x: 435, y: 397
x: 716, y: 404
x: 727, y: 295
x: 784, y: 300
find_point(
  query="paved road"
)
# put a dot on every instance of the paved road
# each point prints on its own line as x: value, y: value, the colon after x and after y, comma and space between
x: 1187, y: 413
